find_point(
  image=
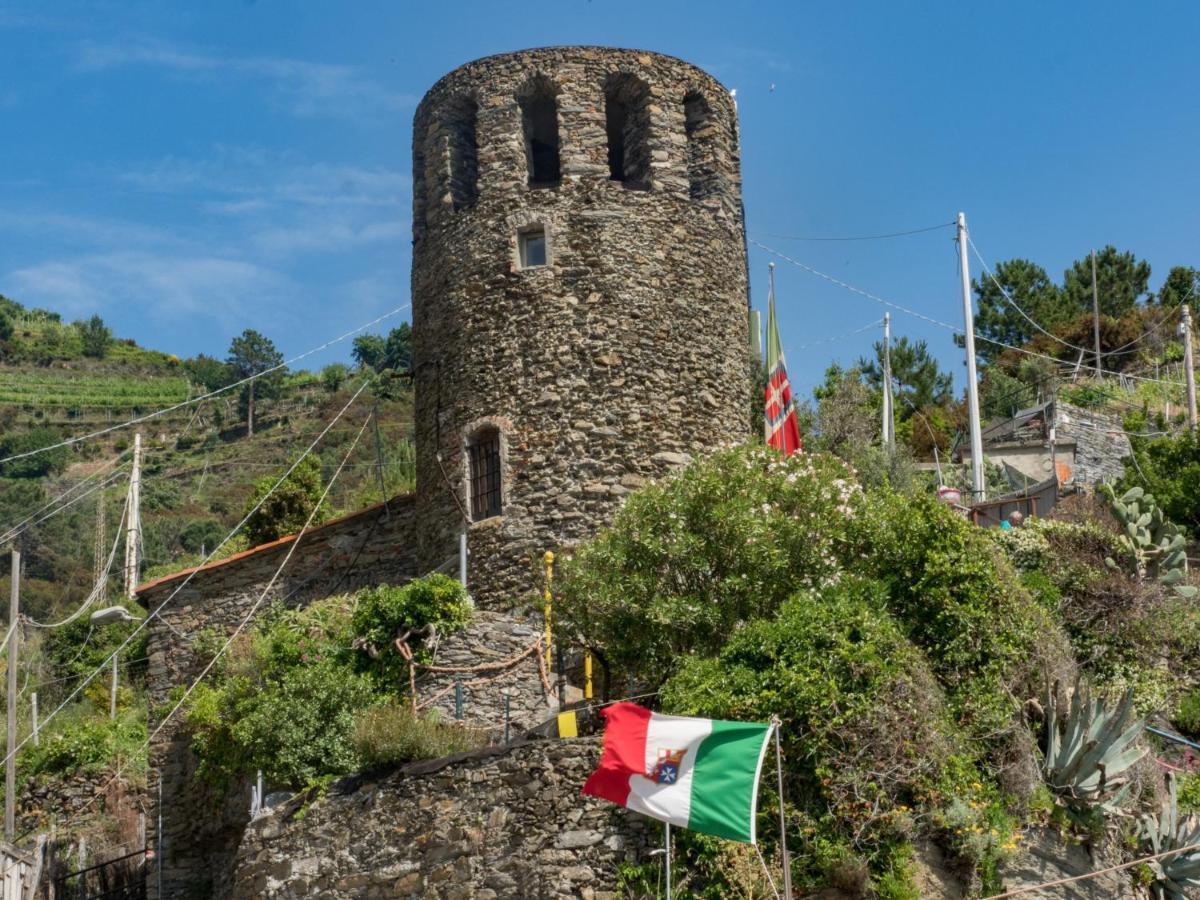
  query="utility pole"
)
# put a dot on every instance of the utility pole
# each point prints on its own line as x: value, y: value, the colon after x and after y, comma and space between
x: 977, y: 480
x: 133, y: 530
x: 1189, y: 370
x: 1096, y: 317
x: 10, y: 747
x: 100, y: 558
x: 889, y: 420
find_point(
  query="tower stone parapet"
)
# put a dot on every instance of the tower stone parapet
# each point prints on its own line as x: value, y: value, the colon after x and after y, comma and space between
x: 579, y: 296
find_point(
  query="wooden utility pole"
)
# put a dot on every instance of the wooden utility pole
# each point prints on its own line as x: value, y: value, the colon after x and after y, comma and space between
x: 1096, y: 317
x: 889, y: 417
x: 977, y: 479
x: 133, y: 525
x: 100, y: 557
x: 10, y: 747
x: 1189, y: 370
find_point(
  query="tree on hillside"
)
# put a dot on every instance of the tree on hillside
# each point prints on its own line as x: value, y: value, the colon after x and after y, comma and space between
x: 94, y: 336
x: 288, y: 507
x: 917, y: 381
x: 1121, y: 278
x: 997, y: 320
x: 211, y: 373
x: 1182, y: 285
x: 374, y: 351
x: 251, y: 354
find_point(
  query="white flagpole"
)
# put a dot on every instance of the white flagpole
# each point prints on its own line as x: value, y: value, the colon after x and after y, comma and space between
x: 667, y: 831
x: 787, y: 863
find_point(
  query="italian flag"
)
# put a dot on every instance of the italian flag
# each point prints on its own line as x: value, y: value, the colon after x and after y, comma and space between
x: 700, y: 774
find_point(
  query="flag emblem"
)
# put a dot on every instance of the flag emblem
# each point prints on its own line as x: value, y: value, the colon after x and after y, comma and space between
x: 666, y: 771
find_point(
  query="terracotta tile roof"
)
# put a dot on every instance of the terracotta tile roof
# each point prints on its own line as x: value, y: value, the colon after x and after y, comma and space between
x: 263, y: 548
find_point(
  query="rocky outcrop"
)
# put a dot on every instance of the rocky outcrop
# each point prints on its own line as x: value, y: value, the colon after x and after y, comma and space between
x: 503, y: 822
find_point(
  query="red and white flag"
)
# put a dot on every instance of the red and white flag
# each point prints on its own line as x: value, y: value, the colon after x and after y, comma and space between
x: 782, y: 426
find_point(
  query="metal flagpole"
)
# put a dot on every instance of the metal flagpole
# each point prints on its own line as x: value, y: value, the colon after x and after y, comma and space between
x: 787, y: 862
x: 668, y: 858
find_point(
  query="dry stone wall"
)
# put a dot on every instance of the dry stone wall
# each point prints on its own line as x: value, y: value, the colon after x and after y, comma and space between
x: 202, y: 823
x: 624, y: 354
x: 508, y: 822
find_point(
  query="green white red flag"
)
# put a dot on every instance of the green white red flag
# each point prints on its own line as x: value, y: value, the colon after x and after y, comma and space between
x: 782, y: 426
x: 700, y: 774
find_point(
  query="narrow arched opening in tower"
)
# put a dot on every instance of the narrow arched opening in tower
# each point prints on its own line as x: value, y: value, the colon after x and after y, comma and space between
x: 461, y: 150
x: 627, y: 121
x: 539, y: 118
x: 703, y: 146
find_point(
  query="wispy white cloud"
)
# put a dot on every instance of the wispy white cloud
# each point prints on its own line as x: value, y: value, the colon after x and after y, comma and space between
x: 162, y: 287
x: 306, y: 88
x: 244, y: 179
x: 326, y: 236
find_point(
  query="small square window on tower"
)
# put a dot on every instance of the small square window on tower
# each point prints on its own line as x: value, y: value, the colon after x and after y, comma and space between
x: 532, y: 246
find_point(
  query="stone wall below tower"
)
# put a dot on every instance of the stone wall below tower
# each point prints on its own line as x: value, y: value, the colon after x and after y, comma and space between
x: 498, y: 823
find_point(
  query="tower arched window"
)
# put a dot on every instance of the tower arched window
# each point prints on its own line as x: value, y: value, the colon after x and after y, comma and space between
x: 627, y: 121
x: 486, y: 483
x: 462, y: 153
x: 703, y: 147
x: 539, y: 118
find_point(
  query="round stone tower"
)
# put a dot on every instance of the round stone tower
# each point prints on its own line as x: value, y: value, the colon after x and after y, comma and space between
x: 579, y: 297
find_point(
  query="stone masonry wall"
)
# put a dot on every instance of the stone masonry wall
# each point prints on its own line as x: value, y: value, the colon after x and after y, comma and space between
x: 202, y: 825
x: 1100, y: 443
x: 502, y: 823
x: 622, y: 356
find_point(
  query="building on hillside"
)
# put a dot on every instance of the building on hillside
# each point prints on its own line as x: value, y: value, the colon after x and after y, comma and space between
x: 1088, y: 446
x: 579, y: 295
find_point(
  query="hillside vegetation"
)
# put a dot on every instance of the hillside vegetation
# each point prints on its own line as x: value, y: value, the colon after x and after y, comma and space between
x: 202, y: 470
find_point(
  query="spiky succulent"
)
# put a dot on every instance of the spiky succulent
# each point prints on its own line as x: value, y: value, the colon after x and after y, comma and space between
x: 1158, y: 549
x: 1088, y: 756
x: 1165, y: 832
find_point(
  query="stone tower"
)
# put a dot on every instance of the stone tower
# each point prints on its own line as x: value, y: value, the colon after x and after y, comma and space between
x: 579, y: 296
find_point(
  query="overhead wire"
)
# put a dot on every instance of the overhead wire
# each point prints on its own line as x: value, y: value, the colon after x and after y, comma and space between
x: 183, y: 583
x: 930, y: 319
x: 65, y: 494
x: 70, y: 442
x: 245, y: 619
x: 98, y: 588
x: 19, y: 530
x: 867, y: 237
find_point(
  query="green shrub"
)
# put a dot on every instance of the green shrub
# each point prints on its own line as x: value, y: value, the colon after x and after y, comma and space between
x: 690, y: 559
x: 1169, y: 468
x: 1187, y: 714
x: 391, y: 733
x: 39, y: 465
x: 289, y: 505
x: 82, y: 742
x: 384, y: 613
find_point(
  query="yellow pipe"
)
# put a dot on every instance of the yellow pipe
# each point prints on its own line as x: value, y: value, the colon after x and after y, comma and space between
x: 587, y: 675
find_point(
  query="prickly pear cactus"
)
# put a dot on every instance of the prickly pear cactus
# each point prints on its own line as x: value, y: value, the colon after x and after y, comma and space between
x: 1158, y: 549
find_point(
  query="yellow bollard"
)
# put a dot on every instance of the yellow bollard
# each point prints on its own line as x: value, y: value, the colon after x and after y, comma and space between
x: 549, y: 560
x: 587, y: 675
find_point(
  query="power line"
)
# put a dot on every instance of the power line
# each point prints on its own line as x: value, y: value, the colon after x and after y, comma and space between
x: 98, y: 588
x: 868, y: 237
x: 63, y: 496
x: 162, y: 412
x: 839, y: 337
x: 18, y: 530
x: 1013, y: 303
x: 938, y: 322
x: 245, y: 619
x: 155, y: 613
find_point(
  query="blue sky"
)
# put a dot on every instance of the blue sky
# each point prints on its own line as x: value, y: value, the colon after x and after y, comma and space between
x: 190, y: 170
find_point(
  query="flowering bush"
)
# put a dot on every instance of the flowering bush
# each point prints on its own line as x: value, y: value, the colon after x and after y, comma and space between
x: 691, y: 559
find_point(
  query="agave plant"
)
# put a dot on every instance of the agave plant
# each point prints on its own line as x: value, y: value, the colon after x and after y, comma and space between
x: 1164, y: 833
x: 1158, y: 549
x: 1087, y: 759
